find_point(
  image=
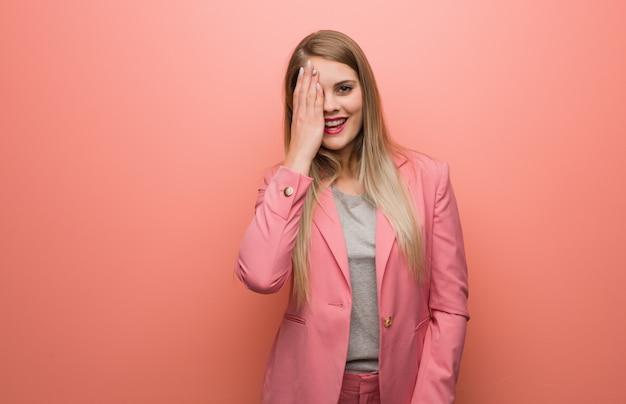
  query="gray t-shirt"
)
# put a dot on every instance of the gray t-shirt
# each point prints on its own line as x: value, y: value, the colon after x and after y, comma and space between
x: 358, y: 220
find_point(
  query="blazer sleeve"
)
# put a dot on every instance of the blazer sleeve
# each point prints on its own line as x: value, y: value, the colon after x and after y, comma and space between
x: 445, y: 337
x: 264, y: 261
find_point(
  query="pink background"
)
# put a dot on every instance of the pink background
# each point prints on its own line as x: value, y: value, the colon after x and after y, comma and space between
x: 134, y: 135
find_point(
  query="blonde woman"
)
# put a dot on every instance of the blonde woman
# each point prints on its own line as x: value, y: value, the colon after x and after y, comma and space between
x: 367, y: 235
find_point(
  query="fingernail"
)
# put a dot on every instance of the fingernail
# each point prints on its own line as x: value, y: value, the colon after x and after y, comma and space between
x: 301, y: 71
x: 318, y: 86
x: 308, y: 65
x: 314, y: 72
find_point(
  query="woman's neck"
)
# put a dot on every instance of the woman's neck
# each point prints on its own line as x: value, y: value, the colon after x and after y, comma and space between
x: 347, y: 183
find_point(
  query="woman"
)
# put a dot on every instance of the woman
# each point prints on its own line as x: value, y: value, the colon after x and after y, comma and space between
x: 368, y: 235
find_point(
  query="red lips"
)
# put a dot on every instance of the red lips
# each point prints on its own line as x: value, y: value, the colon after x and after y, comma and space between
x: 334, y: 125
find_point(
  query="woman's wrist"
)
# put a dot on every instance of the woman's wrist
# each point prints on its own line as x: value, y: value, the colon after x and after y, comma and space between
x: 298, y: 164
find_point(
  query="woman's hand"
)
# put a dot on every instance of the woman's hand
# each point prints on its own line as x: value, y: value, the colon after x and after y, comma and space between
x: 307, y: 123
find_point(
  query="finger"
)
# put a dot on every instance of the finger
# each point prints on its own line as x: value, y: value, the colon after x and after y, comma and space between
x: 313, y: 89
x: 316, y: 90
x: 306, y: 84
x: 319, y: 100
x: 297, y: 89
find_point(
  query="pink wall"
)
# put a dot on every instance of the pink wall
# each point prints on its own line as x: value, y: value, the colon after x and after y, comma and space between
x: 134, y: 135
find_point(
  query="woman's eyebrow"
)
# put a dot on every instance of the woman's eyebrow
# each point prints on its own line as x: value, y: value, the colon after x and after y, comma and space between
x: 344, y: 82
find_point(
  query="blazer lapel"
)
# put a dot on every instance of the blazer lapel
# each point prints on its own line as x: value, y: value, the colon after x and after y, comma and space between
x: 326, y: 219
x: 385, y: 236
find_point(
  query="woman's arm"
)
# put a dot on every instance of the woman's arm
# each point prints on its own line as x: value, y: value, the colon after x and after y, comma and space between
x: 264, y: 262
x: 445, y: 337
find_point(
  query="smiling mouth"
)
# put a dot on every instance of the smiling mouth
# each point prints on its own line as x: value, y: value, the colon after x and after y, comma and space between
x: 333, y: 126
x: 336, y: 122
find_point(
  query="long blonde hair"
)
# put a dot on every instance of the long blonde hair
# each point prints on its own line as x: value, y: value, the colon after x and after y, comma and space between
x: 371, y: 159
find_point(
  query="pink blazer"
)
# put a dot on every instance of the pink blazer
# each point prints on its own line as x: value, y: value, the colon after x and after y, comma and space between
x: 422, y: 328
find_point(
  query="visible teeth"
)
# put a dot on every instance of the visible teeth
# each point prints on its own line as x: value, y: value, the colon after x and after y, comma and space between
x: 336, y: 122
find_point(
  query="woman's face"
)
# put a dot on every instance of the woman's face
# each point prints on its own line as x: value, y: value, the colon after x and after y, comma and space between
x: 343, y: 105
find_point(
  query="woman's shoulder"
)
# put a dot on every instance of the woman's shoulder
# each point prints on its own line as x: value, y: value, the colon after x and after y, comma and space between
x: 428, y: 174
x: 411, y: 159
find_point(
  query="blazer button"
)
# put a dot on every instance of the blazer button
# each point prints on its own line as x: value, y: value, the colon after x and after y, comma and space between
x: 288, y: 191
x: 388, y: 322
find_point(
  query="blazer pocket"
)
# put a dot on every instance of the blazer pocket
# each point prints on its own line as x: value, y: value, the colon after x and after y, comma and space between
x: 294, y: 319
x: 422, y: 324
x: 420, y: 335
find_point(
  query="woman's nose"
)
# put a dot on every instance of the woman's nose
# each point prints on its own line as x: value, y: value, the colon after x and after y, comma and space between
x: 330, y: 103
